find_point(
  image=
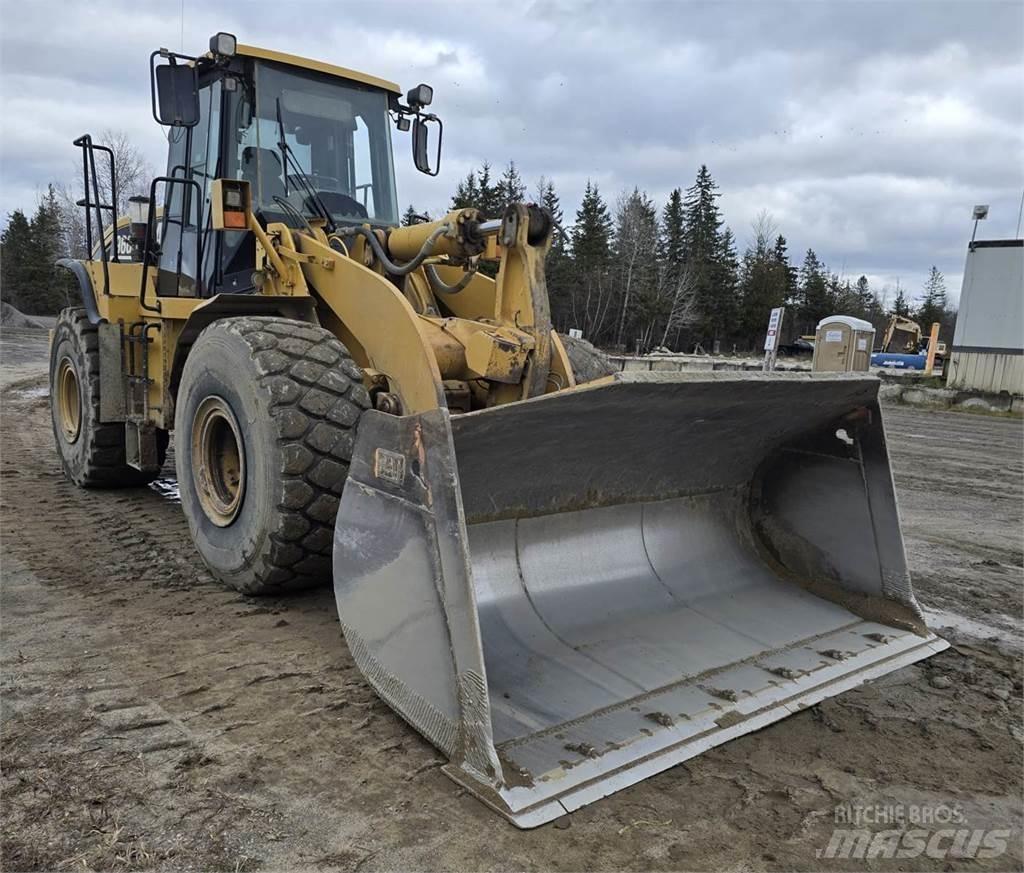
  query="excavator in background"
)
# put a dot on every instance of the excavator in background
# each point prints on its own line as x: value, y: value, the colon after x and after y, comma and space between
x: 904, y: 346
x: 566, y: 579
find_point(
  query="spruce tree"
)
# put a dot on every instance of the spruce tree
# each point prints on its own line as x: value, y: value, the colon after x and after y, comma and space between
x: 592, y: 231
x: 50, y: 284
x: 900, y: 305
x: 933, y: 304
x: 467, y: 193
x: 510, y: 187
x: 558, y: 266
x: 490, y: 202
x: 703, y: 236
x: 787, y: 274
x: 864, y: 297
x: 17, y: 254
x: 672, y: 239
x: 764, y: 274
x: 814, y: 300
x: 725, y: 303
x: 547, y: 198
x: 590, y: 294
x: 411, y: 216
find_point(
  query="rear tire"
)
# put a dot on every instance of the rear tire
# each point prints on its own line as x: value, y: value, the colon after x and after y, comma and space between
x: 265, y: 424
x: 91, y: 453
x: 588, y: 362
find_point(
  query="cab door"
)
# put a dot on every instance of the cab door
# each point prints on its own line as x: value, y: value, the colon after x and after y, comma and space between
x: 187, y: 249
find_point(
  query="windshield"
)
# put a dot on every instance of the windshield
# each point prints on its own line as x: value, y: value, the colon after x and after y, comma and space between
x: 338, y: 137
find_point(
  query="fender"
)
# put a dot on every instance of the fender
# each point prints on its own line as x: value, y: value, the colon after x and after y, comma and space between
x: 85, y: 289
x: 227, y: 306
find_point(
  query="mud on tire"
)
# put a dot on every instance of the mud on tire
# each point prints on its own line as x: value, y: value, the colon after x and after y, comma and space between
x: 91, y: 453
x: 289, y: 395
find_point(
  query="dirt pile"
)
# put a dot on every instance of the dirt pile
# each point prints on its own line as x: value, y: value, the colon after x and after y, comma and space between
x: 11, y: 317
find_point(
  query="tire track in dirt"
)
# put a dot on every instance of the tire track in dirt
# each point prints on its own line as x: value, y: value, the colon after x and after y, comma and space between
x: 155, y: 719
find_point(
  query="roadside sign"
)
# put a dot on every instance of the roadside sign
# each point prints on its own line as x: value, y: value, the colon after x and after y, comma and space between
x: 771, y: 339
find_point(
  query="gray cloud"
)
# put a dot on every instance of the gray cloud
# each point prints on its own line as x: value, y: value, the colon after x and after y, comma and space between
x: 868, y: 130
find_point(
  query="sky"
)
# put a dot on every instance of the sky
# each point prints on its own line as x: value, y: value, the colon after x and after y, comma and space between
x: 867, y: 131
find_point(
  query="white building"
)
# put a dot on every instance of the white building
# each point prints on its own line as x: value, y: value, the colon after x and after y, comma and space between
x: 988, y: 344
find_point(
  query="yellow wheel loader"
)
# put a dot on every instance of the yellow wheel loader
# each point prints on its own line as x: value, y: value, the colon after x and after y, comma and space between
x: 566, y: 579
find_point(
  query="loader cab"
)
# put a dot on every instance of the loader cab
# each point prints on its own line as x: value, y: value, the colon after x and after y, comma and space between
x: 312, y: 140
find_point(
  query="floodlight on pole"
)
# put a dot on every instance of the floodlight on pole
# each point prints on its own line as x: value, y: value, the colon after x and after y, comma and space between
x: 980, y: 214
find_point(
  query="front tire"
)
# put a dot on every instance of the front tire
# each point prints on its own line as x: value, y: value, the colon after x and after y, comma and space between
x: 92, y: 453
x: 265, y: 423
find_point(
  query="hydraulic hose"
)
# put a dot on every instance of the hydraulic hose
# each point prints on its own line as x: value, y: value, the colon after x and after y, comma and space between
x: 437, y: 284
x: 382, y: 256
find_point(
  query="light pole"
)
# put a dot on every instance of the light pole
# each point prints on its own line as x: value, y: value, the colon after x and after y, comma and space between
x: 980, y: 214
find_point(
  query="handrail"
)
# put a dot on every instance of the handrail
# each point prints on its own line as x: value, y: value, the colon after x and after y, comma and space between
x: 89, y: 176
x: 185, y: 209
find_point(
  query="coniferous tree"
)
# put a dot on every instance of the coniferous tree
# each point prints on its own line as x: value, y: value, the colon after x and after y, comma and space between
x: 411, y: 216
x: 16, y: 261
x: 558, y: 266
x: 676, y: 276
x: 478, y: 191
x: 864, y: 297
x: 814, y: 300
x: 900, y: 305
x: 547, y: 198
x: 490, y: 202
x: 787, y: 274
x: 672, y: 239
x: 50, y: 284
x: 933, y: 304
x: 703, y: 248
x: 764, y: 280
x: 726, y: 308
x: 510, y: 188
x: 467, y: 193
x: 591, y: 252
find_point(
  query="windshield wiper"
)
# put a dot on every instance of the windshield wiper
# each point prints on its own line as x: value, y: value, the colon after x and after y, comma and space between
x: 286, y: 156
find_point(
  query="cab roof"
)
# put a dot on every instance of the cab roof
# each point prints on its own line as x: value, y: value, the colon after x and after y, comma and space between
x: 250, y: 51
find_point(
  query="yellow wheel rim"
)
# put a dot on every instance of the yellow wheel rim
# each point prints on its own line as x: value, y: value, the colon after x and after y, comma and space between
x: 69, y: 400
x: 218, y: 461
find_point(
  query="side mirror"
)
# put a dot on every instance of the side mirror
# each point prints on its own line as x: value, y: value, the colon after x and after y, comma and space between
x: 176, y: 95
x: 421, y: 144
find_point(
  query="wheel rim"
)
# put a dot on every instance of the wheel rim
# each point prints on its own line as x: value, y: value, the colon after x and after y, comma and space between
x: 218, y: 461
x: 69, y: 400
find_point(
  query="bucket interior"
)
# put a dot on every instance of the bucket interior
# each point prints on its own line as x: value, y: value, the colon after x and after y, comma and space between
x: 586, y: 610
x: 729, y: 506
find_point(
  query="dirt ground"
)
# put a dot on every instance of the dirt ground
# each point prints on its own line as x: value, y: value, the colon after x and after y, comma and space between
x: 153, y: 719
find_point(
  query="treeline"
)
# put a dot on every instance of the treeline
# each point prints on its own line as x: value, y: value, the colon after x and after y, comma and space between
x: 29, y: 278
x: 636, y: 276
x: 632, y: 275
x: 31, y: 242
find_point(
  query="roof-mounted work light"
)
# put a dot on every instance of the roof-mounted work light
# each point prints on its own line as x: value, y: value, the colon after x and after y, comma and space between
x: 223, y: 45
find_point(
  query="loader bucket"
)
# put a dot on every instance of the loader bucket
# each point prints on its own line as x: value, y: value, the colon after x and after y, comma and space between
x: 569, y: 594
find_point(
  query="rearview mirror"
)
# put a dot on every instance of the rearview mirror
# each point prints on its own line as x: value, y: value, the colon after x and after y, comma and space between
x: 421, y: 144
x: 176, y: 95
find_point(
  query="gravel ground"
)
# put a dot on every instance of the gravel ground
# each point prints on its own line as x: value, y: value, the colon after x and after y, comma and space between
x: 153, y: 719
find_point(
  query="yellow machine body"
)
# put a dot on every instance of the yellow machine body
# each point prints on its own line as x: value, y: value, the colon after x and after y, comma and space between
x: 565, y: 584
